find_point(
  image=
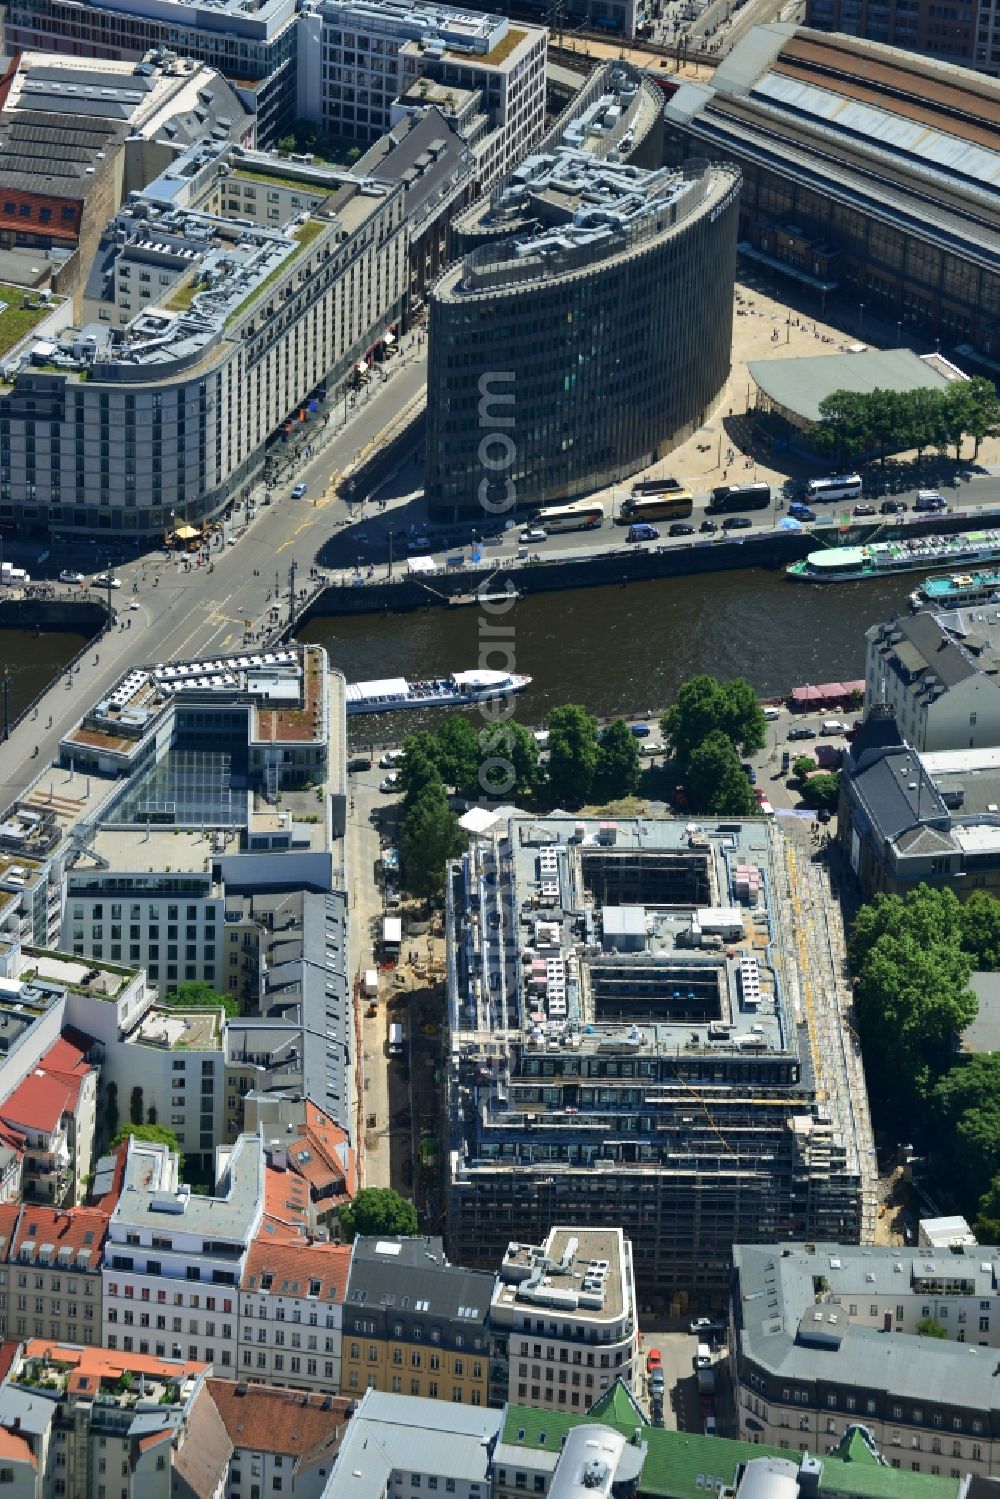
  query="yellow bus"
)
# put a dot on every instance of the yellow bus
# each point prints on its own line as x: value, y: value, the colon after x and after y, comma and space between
x: 674, y: 506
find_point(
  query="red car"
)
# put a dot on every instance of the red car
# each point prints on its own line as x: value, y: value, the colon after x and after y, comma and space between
x: 653, y: 1360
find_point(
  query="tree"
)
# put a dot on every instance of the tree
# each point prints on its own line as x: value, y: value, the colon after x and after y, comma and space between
x: 287, y: 145
x: 928, y: 1328
x: 419, y: 768
x: 151, y: 1114
x: 430, y: 837
x: 822, y: 791
x: 378, y: 1210
x: 844, y: 428
x: 573, y: 754
x: 111, y: 1108
x: 457, y: 754
x: 135, y: 1106
x: 154, y: 1134
x: 705, y: 705
x: 987, y: 1224
x: 715, y: 780
x: 618, y: 763
x: 803, y: 767
x: 980, y: 918
x: 966, y: 1102
x: 508, y: 750
x: 912, y: 991
x: 195, y: 994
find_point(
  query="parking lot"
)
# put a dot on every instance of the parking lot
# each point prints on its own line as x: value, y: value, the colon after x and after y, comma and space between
x: 681, y: 1410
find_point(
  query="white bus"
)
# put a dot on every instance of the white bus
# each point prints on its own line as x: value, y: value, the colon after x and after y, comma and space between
x: 584, y: 515
x: 834, y: 487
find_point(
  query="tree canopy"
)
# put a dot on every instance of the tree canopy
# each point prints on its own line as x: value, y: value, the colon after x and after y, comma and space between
x: 966, y: 1101
x: 430, y: 837
x: 912, y: 989
x: 980, y: 917
x: 195, y: 994
x: 378, y: 1210
x: 707, y: 706
x: 715, y: 781
x: 618, y: 763
x: 154, y: 1134
x: 821, y: 791
x: 574, y: 753
x: 889, y: 421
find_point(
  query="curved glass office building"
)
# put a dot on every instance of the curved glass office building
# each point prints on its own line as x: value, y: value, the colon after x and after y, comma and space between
x: 586, y: 337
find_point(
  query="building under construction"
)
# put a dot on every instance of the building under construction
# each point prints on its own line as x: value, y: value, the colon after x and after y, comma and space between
x: 648, y: 1029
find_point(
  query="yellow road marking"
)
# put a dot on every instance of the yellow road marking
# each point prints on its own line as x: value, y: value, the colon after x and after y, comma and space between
x: 283, y: 545
x: 226, y: 639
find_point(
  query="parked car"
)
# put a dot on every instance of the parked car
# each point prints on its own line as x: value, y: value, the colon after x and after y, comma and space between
x: 107, y: 580
x: 656, y: 1382
x: 640, y: 730
x: 359, y: 762
x: 798, y: 511
x: 834, y: 726
x: 864, y: 509
x: 737, y: 523
x: 390, y: 783
x: 700, y: 1325
x: 69, y: 576
x: 643, y: 531
x: 708, y: 526
x: 930, y: 499
x: 893, y: 507
x: 299, y: 490
x: 533, y: 533
x: 654, y: 1360
x: 749, y: 772
x: 802, y: 731
x: 418, y: 544
x: 681, y: 528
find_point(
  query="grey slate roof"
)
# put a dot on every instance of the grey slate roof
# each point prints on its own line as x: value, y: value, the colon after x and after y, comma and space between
x: 413, y: 1276
x: 896, y: 791
x: 799, y: 385
x: 39, y: 153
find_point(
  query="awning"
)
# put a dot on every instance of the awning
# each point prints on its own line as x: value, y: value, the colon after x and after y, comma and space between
x: 186, y: 533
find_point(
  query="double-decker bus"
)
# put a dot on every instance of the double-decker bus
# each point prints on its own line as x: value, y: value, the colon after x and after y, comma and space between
x: 639, y: 507
x: 731, y: 497
x: 583, y: 515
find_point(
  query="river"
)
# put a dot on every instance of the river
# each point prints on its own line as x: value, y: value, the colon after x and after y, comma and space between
x: 618, y: 649
x: 32, y: 660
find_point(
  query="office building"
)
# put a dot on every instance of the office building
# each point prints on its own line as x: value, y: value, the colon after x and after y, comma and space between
x: 909, y: 818
x: 827, y: 1335
x: 561, y: 1311
x: 414, y: 1324
x: 937, y: 672
x: 173, y: 1260
x: 625, y: 277
x: 668, y: 1091
x: 865, y: 172
x: 362, y: 61
x: 153, y: 415
x: 964, y: 35
x: 291, y: 1311
x: 78, y: 1420
x: 251, y: 42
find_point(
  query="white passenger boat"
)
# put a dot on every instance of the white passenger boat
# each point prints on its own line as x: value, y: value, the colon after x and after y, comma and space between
x: 914, y: 554
x: 461, y: 688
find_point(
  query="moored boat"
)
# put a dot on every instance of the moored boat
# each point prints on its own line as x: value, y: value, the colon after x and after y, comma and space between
x: 881, y: 559
x: 389, y: 694
x: 980, y: 586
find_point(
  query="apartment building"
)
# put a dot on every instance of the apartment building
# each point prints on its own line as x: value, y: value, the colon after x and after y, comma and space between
x: 401, y: 1447
x: 173, y: 1261
x: 52, y: 1275
x: 283, y: 1443
x: 415, y: 1325
x: 291, y: 1312
x: 55, y: 1111
x: 359, y: 58
x: 83, y: 1422
x: 299, y: 1135
x: 564, y: 1320
x: 936, y: 671
x: 574, y: 1087
x: 158, y: 419
x: 252, y: 45
x: 826, y: 1335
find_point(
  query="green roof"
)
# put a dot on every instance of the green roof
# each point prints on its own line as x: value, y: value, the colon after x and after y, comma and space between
x: 677, y: 1462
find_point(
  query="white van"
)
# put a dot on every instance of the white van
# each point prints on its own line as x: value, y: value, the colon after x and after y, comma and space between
x: 703, y: 1357
x: 395, y: 1040
x: 771, y: 713
x: 834, y: 487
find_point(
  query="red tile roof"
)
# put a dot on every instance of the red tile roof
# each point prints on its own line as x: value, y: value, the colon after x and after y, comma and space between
x: 66, y: 1059
x: 8, y: 1353
x: 39, y: 1103
x: 15, y: 1447
x: 8, y: 1223
x: 322, y: 1155
x: 90, y: 1366
x: 264, y: 1419
x: 109, y: 1201
x: 74, y: 1228
x: 294, y: 1266
x: 285, y: 1204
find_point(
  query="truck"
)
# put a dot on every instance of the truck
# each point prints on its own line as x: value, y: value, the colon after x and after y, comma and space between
x: 13, y: 576
x: 395, y: 1040
x: 706, y: 1381
x: 371, y: 984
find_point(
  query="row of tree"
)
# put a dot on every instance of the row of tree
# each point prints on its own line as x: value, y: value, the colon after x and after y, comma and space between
x: 708, y: 728
x: 853, y: 423
x: 913, y: 957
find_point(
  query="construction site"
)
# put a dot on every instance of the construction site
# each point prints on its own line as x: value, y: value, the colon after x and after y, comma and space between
x: 650, y: 1027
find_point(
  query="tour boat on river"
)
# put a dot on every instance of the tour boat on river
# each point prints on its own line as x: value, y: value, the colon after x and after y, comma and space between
x: 880, y: 559
x: 456, y: 691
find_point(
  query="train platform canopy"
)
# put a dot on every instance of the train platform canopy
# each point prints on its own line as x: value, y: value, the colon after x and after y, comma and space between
x: 794, y: 388
x: 826, y: 695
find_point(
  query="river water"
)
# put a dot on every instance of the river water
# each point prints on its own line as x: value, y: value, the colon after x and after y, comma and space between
x: 32, y: 661
x: 624, y: 649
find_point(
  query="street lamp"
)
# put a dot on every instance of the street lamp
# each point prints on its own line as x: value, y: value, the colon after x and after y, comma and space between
x: 861, y: 319
x: 389, y: 579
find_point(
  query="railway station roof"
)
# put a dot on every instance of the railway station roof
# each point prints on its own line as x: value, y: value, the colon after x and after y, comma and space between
x: 796, y: 387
